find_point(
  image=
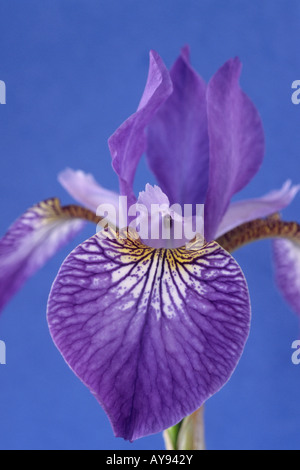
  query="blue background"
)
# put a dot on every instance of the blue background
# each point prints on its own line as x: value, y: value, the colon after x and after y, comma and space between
x: 74, y: 70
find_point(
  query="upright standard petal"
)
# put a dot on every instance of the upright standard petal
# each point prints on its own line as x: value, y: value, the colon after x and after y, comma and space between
x: 177, y: 147
x: 286, y: 254
x: 152, y: 332
x: 85, y: 189
x: 244, y: 211
x: 236, y: 141
x: 128, y: 143
x: 32, y: 240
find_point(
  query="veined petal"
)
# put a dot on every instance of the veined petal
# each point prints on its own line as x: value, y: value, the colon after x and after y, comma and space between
x: 152, y: 332
x: 243, y: 211
x: 177, y: 147
x: 128, y: 143
x: 236, y: 141
x: 32, y: 240
x: 85, y: 189
x: 286, y: 255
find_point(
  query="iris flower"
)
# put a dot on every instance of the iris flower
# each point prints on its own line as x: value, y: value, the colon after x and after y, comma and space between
x: 154, y: 331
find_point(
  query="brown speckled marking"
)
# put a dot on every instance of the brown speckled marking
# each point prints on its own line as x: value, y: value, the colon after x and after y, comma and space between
x: 259, y: 229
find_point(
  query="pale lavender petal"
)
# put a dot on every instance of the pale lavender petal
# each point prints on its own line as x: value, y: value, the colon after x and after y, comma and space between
x: 287, y: 271
x: 153, y: 195
x: 236, y: 141
x: 31, y: 241
x: 161, y: 225
x: 152, y: 333
x: 244, y: 211
x: 178, y: 148
x: 85, y: 189
x: 128, y: 143
x: 153, y: 217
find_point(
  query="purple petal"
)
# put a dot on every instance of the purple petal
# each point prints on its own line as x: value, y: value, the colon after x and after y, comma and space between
x: 243, y: 211
x: 152, y: 333
x: 152, y: 195
x: 128, y: 143
x: 161, y: 225
x: 287, y: 271
x: 236, y: 142
x: 178, y: 148
x: 31, y: 241
x: 153, y: 207
x: 84, y: 189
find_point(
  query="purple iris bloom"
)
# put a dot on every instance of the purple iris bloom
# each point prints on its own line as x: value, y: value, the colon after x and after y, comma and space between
x: 154, y: 332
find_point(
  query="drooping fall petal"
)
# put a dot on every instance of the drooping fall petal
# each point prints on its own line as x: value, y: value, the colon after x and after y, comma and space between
x: 178, y: 147
x: 128, y: 143
x: 286, y: 254
x: 31, y: 241
x: 236, y: 140
x: 152, y: 333
x: 243, y: 211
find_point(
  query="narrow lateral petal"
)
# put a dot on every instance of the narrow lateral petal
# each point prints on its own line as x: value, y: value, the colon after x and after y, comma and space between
x: 128, y: 143
x: 152, y: 332
x: 236, y: 140
x: 84, y: 189
x: 243, y: 211
x: 286, y: 255
x: 177, y: 147
x: 32, y: 240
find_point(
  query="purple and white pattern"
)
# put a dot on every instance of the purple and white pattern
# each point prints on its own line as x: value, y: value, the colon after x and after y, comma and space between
x: 152, y: 332
x: 286, y: 255
x: 31, y: 241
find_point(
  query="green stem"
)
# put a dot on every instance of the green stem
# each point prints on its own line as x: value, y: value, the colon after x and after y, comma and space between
x: 188, y: 434
x: 171, y: 436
